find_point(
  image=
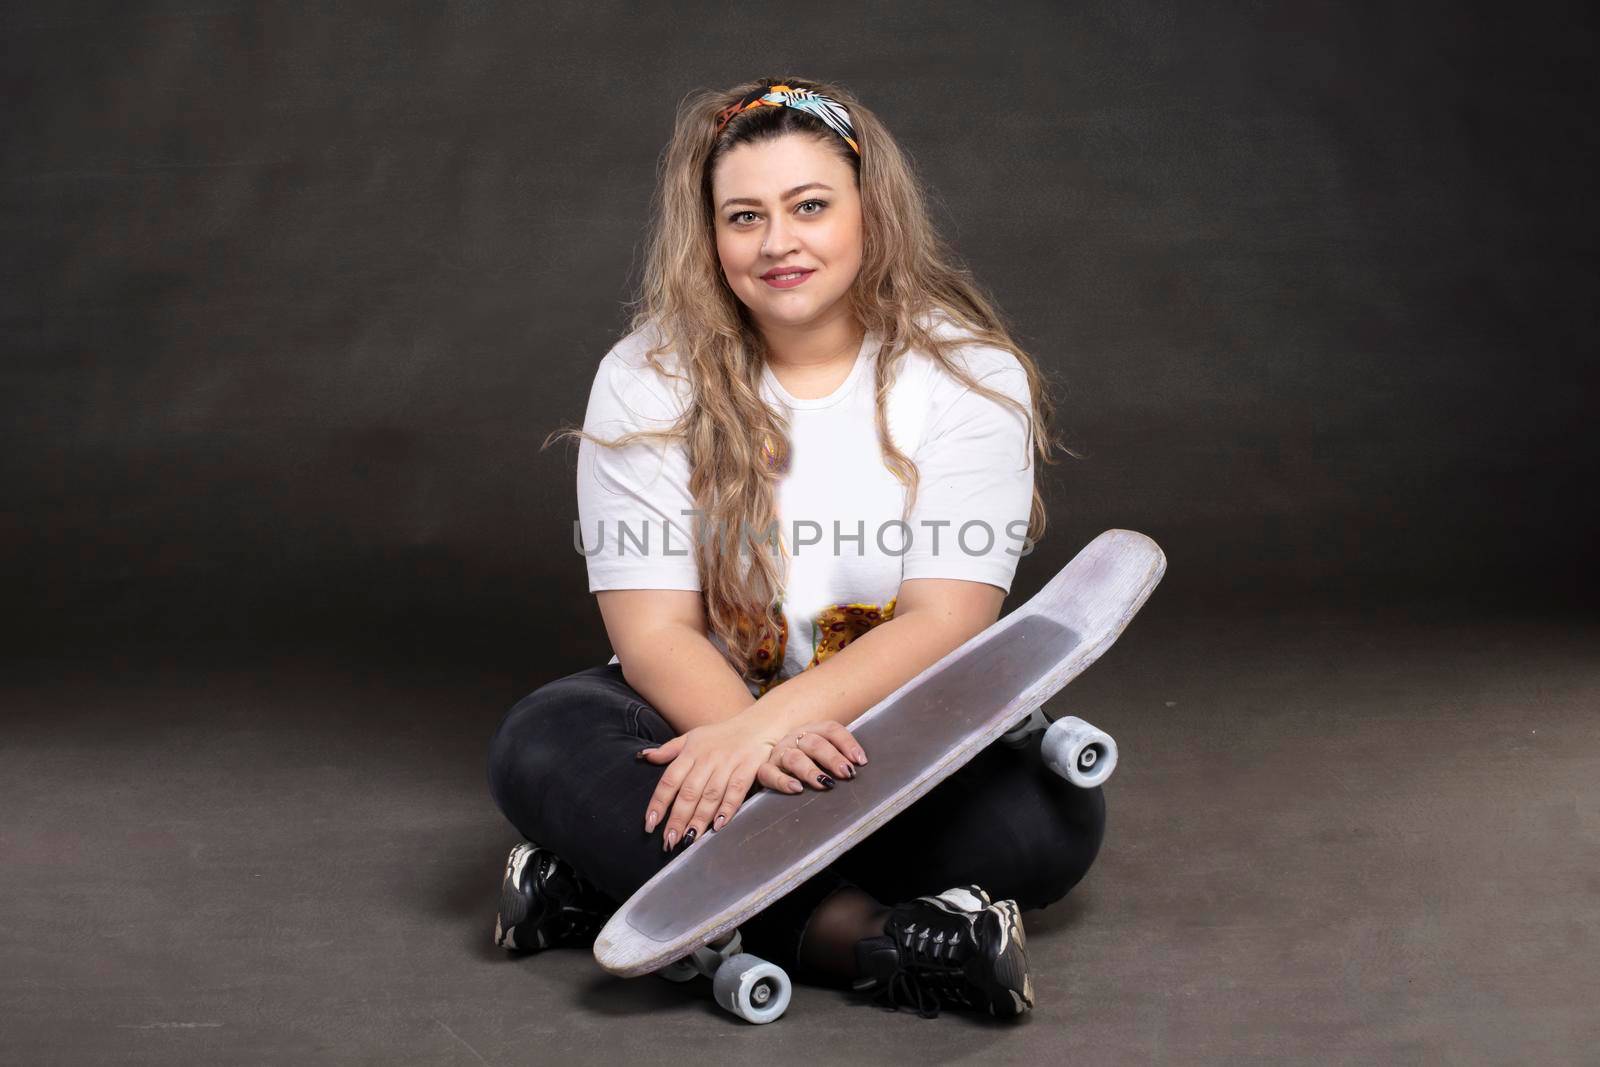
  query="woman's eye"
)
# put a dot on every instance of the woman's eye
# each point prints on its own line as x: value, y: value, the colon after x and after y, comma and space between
x: 738, y: 216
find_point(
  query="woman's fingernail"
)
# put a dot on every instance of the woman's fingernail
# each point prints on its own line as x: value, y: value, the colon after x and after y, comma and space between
x: 717, y: 824
x: 824, y: 781
x: 639, y: 755
x: 689, y: 836
x: 861, y: 757
x: 794, y: 787
x: 650, y: 822
x: 848, y: 771
x: 672, y: 840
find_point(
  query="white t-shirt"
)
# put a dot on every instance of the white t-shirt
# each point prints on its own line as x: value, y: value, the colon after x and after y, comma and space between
x: 839, y: 507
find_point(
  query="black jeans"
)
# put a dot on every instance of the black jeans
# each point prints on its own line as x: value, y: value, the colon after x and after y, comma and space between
x: 562, y: 771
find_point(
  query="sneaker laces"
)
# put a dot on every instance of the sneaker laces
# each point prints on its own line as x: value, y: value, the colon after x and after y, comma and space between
x: 581, y: 909
x: 584, y: 911
x: 931, y: 973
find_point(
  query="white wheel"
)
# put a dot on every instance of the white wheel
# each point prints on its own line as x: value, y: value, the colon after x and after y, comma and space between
x: 1078, y: 752
x: 751, y: 988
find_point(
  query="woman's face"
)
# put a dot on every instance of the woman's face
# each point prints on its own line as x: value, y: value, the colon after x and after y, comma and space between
x: 790, y: 203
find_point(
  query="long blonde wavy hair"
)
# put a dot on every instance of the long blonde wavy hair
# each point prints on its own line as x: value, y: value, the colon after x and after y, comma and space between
x: 909, y: 277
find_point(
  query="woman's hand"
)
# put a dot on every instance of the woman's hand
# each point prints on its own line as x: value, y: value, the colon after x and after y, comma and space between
x: 811, y: 751
x: 711, y: 768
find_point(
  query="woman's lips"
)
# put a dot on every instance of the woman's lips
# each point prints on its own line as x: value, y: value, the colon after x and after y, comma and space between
x: 778, y: 281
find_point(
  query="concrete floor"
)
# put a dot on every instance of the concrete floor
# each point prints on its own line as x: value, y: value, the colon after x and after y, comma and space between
x: 1332, y: 838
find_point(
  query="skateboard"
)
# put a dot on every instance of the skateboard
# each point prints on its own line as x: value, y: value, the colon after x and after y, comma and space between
x: 684, y: 921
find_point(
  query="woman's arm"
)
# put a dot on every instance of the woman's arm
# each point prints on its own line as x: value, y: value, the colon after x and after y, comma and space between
x: 932, y: 617
x: 660, y: 640
x: 939, y: 614
x: 659, y: 636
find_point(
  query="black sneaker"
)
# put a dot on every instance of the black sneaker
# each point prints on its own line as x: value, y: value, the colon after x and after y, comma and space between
x: 545, y: 903
x: 956, y: 949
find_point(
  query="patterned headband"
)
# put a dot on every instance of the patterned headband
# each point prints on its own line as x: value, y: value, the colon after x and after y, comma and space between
x: 812, y: 103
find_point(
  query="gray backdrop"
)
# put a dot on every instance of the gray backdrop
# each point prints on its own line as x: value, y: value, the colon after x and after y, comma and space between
x: 293, y: 295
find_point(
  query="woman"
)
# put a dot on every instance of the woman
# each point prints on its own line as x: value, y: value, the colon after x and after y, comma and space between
x: 805, y: 475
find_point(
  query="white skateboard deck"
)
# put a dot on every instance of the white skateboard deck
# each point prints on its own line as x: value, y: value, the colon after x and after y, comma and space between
x: 915, y: 738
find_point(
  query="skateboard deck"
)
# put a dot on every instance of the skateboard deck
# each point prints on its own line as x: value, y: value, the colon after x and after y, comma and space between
x: 915, y: 738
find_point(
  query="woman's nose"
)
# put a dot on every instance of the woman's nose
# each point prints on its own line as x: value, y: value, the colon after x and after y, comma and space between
x: 779, y: 240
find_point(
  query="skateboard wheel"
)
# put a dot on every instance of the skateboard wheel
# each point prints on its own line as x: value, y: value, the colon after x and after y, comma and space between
x: 1078, y: 752
x: 751, y: 988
